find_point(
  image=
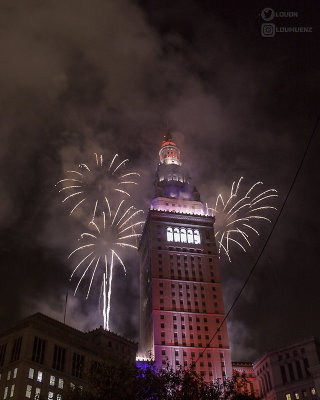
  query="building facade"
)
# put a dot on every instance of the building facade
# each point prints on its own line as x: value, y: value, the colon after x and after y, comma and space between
x: 181, y: 295
x: 289, y: 372
x: 246, y: 369
x: 41, y: 357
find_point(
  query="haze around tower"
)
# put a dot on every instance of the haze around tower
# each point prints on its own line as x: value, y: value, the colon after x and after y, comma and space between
x: 85, y: 77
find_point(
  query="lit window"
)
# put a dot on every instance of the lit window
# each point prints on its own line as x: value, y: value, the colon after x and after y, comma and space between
x: 183, y: 235
x: 72, y: 386
x: 169, y: 177
x: 60, y: 383
x: 169, y: 234
x: 39, y: 377
x: 296, y: 395
x: 175, y: 178
x: 31, y: 373
x: 196, y: 236
x: 52, y: 380
x: 28, y: 391
x: 5, y: 393
x: 176, y: 235
x: 313, y: 391
x: 15, y: 371
x: 288, y: 396
x: 12, y: 391
x: 59, y: 397
x: 190, y: 236
x: 37, y: 394
x: 9, y: 375
x: 50, y: 396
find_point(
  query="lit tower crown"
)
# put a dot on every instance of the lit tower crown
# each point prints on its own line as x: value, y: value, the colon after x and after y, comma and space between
x: 169, y: 152
x: 172, y: 181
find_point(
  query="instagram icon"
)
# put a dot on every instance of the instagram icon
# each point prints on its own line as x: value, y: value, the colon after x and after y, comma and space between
x: 268, y: 30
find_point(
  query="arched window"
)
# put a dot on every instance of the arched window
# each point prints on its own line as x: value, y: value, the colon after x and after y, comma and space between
x: 196, y: 235
x: 190, y: 235
x: 169, y: 177
x: 169, y: 234
x: 175, y: 178
x: 176, y: 235
x: 183, y: 235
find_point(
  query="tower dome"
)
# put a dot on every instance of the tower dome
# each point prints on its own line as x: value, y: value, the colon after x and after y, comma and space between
x: 169, y: 152
x: 172, y: 179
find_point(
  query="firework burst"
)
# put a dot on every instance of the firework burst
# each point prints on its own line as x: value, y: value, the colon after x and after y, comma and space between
x: 88, y: 185
x: 236, y: 217
x: 99, y: 249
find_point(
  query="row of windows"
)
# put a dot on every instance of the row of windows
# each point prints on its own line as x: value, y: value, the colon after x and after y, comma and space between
x: 184, y: 344
x: 183, y: 335
x: 288, y: 368
x: 39, y: 377
x: 186, y: 265
x: 173, y: 294
x: 294, y: 354
x: 195, y: 287
x: 171, y: 178
x: 184, y: 250
x: 193, y: 354
x: 11, y: 374
x: 192, y: 258
x: 190, y: 319
x: 186, y: 275
x: 183, y: 235
x: 6, y: 392
x: 15, y: 351
x: 183, y: 327
x: 39, y: 351
x: 304, y: 393
x: 37, y: 392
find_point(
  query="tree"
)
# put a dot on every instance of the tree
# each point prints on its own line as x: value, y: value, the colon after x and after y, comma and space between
x: 125, y: 381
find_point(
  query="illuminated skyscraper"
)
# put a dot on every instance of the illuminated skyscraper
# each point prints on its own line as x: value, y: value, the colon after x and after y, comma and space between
x: 181, y: 295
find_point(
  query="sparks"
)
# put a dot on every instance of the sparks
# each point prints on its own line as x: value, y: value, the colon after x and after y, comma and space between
x: 102, y: 243
x: 94, y: 182
x: 236, y: 215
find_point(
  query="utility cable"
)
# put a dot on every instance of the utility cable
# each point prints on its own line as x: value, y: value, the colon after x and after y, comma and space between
x: 267, y: 240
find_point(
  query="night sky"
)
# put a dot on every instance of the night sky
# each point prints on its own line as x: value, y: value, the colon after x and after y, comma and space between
x: 109, y: 76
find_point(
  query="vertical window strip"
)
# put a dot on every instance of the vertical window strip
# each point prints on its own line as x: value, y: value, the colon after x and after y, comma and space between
x: 3, y: 349
x: 16, y: 348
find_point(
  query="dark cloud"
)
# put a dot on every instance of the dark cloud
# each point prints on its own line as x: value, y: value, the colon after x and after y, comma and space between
x: 81, y: 77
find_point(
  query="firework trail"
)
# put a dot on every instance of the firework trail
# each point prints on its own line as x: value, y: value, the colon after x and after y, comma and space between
x: 236, y: 216
x: 88, y: 185
x: 99, y: 249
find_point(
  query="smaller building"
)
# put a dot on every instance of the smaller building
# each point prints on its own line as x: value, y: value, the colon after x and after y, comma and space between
x: 287, y: 372
x: 246, y: 368
x: 40, y: 356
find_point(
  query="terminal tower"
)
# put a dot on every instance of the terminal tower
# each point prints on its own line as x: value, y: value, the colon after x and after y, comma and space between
x: 181, y: 302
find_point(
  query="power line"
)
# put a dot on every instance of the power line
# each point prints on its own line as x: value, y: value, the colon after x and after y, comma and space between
x: 267, y: 240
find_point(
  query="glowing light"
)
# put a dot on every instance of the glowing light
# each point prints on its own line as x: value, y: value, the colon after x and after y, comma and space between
x: 105, y: 239
x: 234, y: 217
x: 90, y: 187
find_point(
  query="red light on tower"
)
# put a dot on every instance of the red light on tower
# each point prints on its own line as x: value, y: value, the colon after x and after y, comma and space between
x: 169, y: 152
